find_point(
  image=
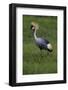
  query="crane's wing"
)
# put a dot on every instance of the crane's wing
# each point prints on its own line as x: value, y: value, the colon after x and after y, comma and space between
x: 42, y: 42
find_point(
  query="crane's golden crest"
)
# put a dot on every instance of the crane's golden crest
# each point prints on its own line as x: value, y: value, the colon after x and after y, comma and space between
x: 35, y: 25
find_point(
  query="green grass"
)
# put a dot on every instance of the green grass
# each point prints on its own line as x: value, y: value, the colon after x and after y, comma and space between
x: 34, y: 61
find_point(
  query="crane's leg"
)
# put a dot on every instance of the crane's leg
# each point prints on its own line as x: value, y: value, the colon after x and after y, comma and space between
x: 41, y: 53
x: 39, y: 56
x: 48, y: 53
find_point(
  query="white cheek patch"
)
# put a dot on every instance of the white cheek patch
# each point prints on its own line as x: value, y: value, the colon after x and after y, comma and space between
x: 49, y: 46
x: 33, y: 28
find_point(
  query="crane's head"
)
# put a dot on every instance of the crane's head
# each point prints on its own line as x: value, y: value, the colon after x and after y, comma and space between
x: 34, y: 26
x: 49, y: 46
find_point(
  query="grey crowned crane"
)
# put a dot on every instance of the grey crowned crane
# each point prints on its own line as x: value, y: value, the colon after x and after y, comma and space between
x: 40, y: 42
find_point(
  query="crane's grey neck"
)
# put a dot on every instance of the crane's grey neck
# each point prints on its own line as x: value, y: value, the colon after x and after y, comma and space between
x: 35, y: 36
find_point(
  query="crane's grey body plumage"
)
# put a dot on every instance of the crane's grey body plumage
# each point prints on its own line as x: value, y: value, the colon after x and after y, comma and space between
x: 42, y: 43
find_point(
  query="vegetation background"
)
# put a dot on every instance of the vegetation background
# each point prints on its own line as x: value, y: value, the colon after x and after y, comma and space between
x: 35, y: 61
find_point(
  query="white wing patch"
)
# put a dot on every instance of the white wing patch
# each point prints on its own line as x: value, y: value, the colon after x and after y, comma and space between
x: 49, y: 46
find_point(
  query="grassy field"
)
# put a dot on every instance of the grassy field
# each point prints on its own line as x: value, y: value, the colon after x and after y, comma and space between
x: 34, y: 61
